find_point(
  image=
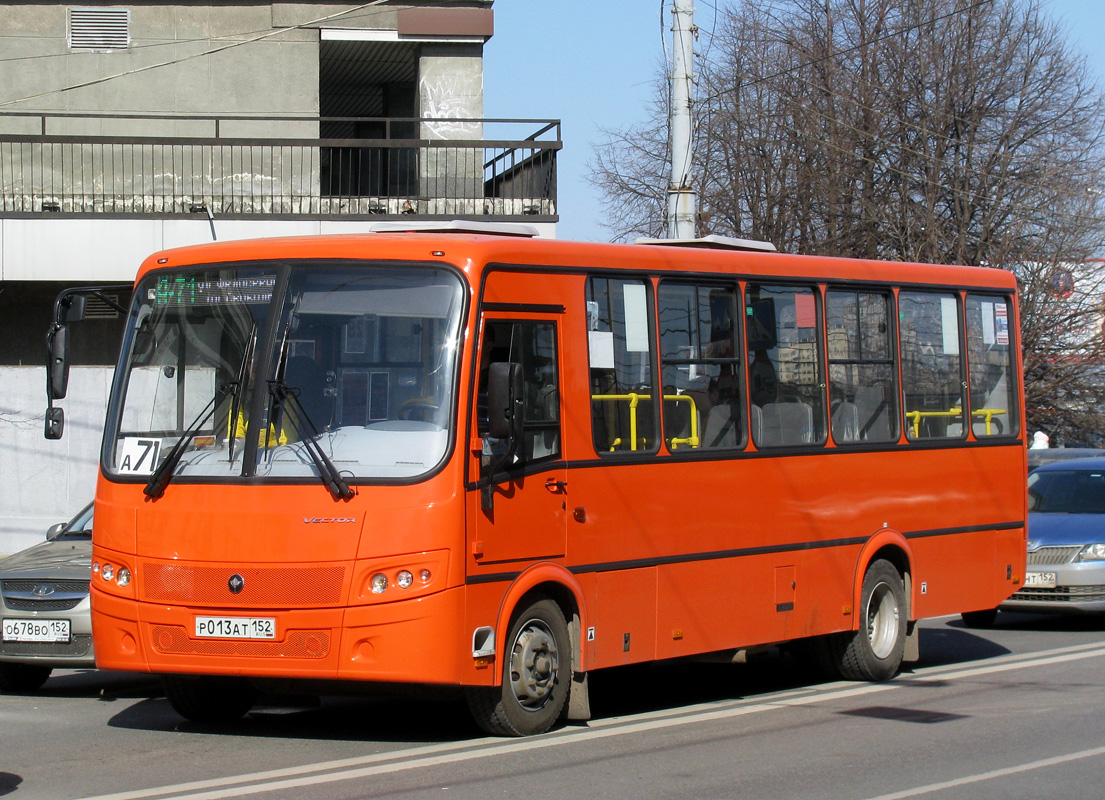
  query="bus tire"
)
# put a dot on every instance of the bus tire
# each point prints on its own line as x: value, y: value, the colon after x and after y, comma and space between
x: 875, y: 651
x: 537, y: 676
x: 203, y: 698
x: 22, y: 677
x: 980, y: 619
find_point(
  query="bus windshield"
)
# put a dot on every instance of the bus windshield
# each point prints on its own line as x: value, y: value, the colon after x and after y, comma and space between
x: 288, y: 371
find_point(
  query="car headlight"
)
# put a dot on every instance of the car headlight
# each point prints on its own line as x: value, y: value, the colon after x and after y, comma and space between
x: 1092, y: 552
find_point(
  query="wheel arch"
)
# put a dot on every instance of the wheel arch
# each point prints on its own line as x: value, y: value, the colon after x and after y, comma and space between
x: 889, y: 545
x: 540, y: 581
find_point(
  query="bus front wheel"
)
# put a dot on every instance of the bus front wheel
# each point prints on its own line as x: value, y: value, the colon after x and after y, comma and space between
x: 875, y: 651
x: 537, y: 672
x: 203, y: 698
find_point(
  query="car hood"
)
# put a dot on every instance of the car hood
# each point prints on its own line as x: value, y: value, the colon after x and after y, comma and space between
x: 1057, y: 530
x: 62, y: 558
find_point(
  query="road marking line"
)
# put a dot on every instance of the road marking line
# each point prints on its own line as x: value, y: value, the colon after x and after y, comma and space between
x: 447, y: 753
x: 987, y: 776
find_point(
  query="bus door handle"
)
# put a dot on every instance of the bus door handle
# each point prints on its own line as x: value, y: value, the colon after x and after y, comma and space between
x: 555, y: 486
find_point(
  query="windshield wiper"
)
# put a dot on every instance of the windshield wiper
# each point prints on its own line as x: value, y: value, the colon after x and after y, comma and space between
x: 161, y: 476
x: 327, y: 469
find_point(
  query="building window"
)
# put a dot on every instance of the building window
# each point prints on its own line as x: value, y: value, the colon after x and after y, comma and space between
x: 99, y: 29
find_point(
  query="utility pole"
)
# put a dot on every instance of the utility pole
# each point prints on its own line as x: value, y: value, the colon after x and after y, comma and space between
x: 682, y: 200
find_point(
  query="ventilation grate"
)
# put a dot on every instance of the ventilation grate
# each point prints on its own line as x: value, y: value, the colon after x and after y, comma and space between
x: 99, y: 28
x: 95, y: 308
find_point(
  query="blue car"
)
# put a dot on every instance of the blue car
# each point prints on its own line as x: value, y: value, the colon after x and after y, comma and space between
x: 1066, y: 539
x: 1066, y: 542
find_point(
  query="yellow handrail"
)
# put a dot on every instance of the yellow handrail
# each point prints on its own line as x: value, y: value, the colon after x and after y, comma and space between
x: 633, y: 398
x: 915, y: 416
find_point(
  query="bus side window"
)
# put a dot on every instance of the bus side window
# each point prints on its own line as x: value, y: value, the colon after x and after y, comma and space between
x: 862, y: 375
x: 533, y: 346
x: 784, y: 372
x: 991, y: 367
x: 932, y: 368
x: 700, y: 368
x: 619, y: 337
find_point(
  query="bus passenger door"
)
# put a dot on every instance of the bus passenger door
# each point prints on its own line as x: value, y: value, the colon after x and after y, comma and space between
x: 522, y: 515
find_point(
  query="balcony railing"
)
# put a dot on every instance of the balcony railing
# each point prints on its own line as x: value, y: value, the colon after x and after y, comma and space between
x: 250, y: 167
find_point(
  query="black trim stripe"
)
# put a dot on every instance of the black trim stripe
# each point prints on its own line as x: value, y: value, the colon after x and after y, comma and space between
x: 524, y: 308
x: 686, y: 558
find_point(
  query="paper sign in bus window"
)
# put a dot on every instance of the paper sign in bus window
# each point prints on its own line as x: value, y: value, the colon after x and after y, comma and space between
x: 601, y: 347
x: 949, y: 325
x: 636, y: 318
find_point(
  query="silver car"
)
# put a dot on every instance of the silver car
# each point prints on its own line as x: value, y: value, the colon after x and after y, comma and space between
x: 44, y: 606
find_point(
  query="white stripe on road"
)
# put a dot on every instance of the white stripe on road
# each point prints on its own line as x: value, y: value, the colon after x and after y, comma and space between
x: 987, y: 776
x: 448, y: 753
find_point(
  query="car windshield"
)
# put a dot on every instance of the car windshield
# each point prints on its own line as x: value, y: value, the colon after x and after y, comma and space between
x: 286, y: 371
x: 1073, y: 491
x: 80, y: 527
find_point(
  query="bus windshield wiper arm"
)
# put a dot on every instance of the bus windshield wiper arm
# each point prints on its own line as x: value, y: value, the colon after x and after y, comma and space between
x: 161, y: 476
x: 327, y: 469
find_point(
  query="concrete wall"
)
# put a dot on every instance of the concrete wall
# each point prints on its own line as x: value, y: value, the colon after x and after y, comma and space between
x: 111, y: 250
x: 42, y: 481
x: 274, y: 76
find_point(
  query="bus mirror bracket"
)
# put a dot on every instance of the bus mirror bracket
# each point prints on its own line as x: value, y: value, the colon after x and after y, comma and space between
x: 505, y: 419
x: 71, y: 305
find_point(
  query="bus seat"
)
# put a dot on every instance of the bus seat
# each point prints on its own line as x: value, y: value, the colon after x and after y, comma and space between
x: 874, y: 414
x: 845, y: 421
x: 721, y: 427
x: 786, y: 423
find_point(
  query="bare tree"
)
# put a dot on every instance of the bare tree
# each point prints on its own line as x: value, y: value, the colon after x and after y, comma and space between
x: 947, y: 131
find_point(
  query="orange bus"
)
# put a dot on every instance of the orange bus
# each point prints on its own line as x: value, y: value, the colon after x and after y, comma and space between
x: 475, y: 458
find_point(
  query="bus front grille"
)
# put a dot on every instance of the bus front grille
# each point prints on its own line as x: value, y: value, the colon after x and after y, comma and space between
x: 263, y: 587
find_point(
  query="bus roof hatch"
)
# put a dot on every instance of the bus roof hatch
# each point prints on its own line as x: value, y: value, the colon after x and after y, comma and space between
x: 714, y: 241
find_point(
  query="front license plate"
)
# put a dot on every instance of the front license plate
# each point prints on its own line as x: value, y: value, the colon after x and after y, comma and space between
x: 236, y: 627
x: 36, y: 630
x: 1040, y: 580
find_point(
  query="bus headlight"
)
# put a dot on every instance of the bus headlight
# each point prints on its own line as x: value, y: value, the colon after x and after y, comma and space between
x: 107, y: 572
x: 123, y: 576
x: 379, y: 583
x: 404, y: 579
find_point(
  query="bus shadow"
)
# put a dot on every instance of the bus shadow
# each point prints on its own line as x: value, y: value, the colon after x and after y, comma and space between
x: 954, y: 643
x: 107, y: 686
x: 328, y: 718
x: 614, y: 692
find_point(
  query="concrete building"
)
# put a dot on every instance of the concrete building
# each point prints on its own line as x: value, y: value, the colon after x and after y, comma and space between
x: 130, y: 127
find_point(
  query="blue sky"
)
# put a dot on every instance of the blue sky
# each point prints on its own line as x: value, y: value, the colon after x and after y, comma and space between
x: 591, y: 63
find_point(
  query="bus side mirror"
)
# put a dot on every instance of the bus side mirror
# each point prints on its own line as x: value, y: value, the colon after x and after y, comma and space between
x: 58, y: 374
x: 55, y: 423
x: 505, y: 415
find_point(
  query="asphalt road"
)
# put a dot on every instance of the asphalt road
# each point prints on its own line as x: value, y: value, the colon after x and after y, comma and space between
x: 1012, y: 712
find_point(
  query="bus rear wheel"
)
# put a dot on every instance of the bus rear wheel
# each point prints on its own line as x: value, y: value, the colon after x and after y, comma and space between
x: 875, y: 651
x: 537, y: 672
x: 203, y: 698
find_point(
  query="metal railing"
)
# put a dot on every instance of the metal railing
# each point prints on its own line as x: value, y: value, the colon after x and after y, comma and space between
x: 249, y: 167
